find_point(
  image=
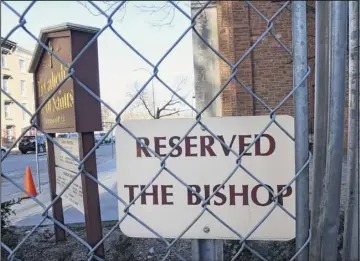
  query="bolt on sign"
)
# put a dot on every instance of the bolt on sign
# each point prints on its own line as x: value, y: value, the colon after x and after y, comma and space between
x: 66, y: 169
x: 203, y: 163
x: 69, y: 109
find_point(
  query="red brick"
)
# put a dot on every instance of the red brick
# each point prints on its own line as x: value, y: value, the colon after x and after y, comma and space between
x: 268, y: 69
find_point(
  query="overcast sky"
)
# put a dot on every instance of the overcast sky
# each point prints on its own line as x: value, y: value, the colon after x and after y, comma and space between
x: 117, y: 61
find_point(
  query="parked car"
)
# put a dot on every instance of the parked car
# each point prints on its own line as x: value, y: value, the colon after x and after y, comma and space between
x: 99, y: 136
x: 62, y: 135
x: 3, y: 151
x: 73, y: 135
x: 28, y: 143
x: 107, y: 140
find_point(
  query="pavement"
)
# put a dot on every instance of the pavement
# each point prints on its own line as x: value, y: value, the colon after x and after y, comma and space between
x: 28, y: 212
x: 14, y: 166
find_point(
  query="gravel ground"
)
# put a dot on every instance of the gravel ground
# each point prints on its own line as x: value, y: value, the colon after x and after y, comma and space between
x: 41, y: 245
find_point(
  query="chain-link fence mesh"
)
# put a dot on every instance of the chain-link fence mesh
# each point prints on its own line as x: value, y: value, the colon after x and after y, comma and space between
x: 272, y: 112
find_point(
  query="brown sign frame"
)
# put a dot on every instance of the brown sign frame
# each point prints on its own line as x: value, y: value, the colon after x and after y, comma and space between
x: 77, y: 110
x: 71, y: 106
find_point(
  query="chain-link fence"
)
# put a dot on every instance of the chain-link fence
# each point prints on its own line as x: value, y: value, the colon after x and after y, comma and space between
x: 299, y: 91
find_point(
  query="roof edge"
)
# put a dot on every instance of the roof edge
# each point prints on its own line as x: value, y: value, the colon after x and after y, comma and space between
x: 71, y: 26
x: 7, y: 46
x: 22, y: 49
x: 43, y: 36
x: 200, y: 4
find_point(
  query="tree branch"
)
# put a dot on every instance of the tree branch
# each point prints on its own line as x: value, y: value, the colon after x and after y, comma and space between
x: 170, y: 107
x: 172, y: 113
x: 174, y: 99
x: 146, y: 107
x: 152, y: 8
x: 167, y: 8
x: 142, y: 97
x: 110, y: 5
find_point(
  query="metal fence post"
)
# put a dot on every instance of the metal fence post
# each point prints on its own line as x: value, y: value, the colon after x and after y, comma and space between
x: 112, y: 147
x: 37, y: 161
x: 336, y: 131
x: 351, y: 242
x: 205, y: 249
x: 321, y: 121
x: 301, y: 125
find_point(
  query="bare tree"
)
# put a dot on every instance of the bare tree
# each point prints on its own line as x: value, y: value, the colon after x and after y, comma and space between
x: 165, y: 12
x: 107, y: 120
x: 105, y: 113
x: 109, y: 6
x: 171, y: 106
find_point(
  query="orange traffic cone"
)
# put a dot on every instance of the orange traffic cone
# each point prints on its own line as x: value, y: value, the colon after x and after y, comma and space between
x: 29, y: 185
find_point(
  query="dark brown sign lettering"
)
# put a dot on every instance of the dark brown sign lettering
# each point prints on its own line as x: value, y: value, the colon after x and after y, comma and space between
x: 243, y: 195
x: 189, y: 147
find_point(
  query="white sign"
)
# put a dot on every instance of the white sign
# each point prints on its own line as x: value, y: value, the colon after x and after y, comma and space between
x: 74, y: 193
x: 203, y: 163
x: 66, y: 169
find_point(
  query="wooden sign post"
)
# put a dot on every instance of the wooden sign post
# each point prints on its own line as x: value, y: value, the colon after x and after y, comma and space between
x: 71, y: 109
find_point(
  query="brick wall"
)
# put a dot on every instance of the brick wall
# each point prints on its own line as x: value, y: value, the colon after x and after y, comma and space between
x: 267, y: 71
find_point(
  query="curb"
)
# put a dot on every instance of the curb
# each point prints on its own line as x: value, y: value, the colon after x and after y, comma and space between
x: 14, y: 152
x: 17, y: 152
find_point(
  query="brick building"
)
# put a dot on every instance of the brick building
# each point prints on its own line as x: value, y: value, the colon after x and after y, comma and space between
x: 232, y: 27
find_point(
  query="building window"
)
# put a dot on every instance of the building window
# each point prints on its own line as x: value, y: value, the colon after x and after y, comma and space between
x: 23, y: 88
x: 3, y: 61
x: 9, y: 133
x: 5, y: 85
x: 25, y: 115
x: 7, y: 110
x: 22, y: 65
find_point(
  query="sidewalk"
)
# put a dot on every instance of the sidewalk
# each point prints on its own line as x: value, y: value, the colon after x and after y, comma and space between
x: 15, y: 151
x: 28, y: 212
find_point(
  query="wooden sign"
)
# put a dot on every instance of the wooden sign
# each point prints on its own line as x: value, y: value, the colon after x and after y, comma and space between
x: 71, y: 106
x: 67, y: 107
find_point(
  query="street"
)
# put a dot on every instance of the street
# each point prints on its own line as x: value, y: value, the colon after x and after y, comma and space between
x: 14, y: 166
